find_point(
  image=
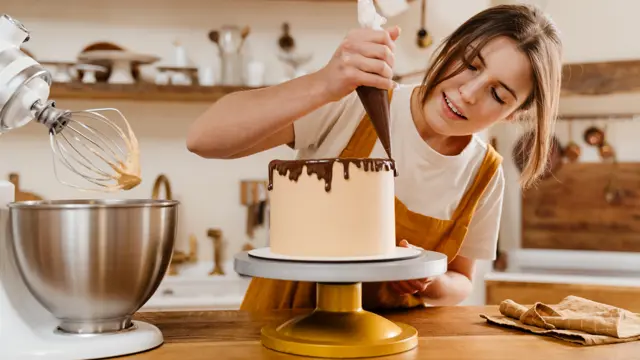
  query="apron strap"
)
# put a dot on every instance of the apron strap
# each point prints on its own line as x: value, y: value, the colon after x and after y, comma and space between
x: 469, y: 202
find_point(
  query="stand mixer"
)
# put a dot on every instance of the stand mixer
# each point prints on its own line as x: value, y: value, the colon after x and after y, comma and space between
x: 73, y: 272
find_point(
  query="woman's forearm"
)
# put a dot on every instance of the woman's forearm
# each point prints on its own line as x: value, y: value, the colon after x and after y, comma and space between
x: 242, y: 119
x: 448, y: 289
x: 259, y: 119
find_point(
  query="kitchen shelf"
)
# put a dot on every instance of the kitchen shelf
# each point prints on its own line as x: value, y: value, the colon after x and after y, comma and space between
x: 601, y: 116
x: 317, y: 1
x: 141, y: 92
x: 601, y: 78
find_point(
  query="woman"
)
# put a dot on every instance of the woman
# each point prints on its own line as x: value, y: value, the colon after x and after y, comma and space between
x: 502, y: 64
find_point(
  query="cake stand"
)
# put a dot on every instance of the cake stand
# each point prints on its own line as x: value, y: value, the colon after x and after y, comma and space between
x: 338, y: 327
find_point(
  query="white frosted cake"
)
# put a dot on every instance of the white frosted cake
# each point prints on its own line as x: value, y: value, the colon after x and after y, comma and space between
x: 332, y: 207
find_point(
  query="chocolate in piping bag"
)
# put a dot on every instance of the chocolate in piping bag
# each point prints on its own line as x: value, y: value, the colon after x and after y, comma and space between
x: 376, y: 104
x: 375, y: 100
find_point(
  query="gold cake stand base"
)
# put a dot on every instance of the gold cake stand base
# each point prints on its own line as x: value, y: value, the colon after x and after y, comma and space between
x: 340, y: 328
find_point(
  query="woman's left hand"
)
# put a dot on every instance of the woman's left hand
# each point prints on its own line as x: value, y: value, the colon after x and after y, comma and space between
x: 410, y: 286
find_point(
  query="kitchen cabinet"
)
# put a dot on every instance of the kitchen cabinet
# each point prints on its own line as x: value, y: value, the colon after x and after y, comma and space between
x: 573, y: 211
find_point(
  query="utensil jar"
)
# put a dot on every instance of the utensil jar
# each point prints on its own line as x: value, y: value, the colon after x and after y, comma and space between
x: 230, y: 41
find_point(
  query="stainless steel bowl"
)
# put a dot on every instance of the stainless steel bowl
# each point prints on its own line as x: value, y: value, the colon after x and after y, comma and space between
x: 93, y: 263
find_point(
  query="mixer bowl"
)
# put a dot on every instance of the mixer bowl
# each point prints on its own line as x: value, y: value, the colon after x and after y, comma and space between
x: 93, y: 263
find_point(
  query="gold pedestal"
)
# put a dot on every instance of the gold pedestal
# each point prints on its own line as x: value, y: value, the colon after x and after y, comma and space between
x: 340, y: 328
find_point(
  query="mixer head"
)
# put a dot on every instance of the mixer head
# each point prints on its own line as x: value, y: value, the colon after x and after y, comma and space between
x: 93, y: 146
x: 97, y: 146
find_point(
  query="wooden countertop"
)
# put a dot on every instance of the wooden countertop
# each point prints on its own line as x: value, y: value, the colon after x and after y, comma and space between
x: 445, y: 333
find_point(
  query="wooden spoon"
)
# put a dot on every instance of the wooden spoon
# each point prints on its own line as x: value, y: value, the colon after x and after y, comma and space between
x: 286, y: 41
x: 244, y: 33
x: 214, y: 36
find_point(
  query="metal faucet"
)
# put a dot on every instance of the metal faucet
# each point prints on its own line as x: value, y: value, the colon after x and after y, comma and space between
x: 218, y: 249
x: 178, y: 257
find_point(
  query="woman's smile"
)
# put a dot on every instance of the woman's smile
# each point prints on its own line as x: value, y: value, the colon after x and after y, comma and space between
x: 451, y: 110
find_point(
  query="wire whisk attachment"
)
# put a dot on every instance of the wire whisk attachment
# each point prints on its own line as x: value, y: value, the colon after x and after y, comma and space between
x: 93, y: 146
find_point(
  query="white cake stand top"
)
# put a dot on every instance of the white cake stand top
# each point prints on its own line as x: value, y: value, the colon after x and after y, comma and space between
x: 121, y: 61
x: 427, y: 264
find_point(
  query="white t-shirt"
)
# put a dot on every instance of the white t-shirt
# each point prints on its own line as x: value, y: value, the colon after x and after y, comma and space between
x: 428, y: 182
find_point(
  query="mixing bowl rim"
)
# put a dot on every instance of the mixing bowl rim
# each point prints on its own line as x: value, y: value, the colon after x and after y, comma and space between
x: 92, y: 203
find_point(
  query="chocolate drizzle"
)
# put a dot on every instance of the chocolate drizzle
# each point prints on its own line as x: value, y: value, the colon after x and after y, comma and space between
x: 323, y: 168
x: 376, y: 104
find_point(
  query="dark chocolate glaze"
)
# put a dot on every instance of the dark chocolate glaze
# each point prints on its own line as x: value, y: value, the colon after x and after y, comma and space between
x: 323, y: 168
x: 376, y: 104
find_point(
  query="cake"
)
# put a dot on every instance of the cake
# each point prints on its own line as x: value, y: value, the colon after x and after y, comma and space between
x: 332, y: 207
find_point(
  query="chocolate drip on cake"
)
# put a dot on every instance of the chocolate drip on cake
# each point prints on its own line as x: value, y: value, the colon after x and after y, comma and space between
x: 376, y: 104
x: 323, y: 168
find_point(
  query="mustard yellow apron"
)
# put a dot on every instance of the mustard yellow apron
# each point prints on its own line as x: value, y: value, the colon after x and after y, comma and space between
x: 444, y: 236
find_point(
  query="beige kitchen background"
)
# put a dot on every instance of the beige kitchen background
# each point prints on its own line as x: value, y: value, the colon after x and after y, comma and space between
x: 209, y: 190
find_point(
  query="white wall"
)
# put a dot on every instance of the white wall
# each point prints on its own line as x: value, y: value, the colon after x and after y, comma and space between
x: 208, y: 189
x: 596, y: 30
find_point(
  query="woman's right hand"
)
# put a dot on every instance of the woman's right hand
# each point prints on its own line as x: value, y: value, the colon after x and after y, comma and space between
x: 365, y: 57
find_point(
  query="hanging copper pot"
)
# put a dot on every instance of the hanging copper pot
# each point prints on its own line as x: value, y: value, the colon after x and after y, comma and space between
x: 606, y: 151
x: 523, y: 148
x: 594, y: 136
x: 572, y: 151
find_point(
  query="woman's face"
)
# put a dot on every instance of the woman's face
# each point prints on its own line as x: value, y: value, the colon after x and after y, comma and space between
x: 490, y: 89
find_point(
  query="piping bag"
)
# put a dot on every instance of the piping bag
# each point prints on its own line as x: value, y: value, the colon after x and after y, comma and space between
x: 375, y: 100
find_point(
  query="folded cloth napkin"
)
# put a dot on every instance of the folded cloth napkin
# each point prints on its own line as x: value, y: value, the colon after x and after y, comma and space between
x: 574, y: 319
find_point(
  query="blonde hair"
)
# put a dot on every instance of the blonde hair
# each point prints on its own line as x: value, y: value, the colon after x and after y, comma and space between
x: 538, y: 38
